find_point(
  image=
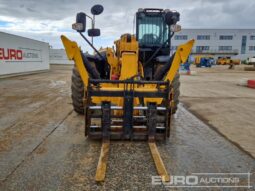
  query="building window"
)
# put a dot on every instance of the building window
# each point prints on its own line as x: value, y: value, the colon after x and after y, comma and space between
x: 243, y: 46
x: 181, y: 37
x: 173, y: 47
x: 252, y: 37
x: 226, y: 37
x: 222, y: 48
x: 202, y: 48
x: 203, y: 37
x: 251, y: 48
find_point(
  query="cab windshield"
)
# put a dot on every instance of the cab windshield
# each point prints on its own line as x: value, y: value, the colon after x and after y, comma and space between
x: 152, y: 31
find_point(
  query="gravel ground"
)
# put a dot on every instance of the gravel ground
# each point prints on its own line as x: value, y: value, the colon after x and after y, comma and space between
x: 43, y: 145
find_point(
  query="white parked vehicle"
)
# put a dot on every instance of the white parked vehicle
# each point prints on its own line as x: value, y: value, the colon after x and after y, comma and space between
x: 251, y: 61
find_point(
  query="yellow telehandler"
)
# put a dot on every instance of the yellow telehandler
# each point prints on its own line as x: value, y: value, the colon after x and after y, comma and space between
x: 128, y: 92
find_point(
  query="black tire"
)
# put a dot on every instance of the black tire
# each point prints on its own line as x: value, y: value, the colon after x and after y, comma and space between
x: 176, y: 89
x: 77, y: 88
x: 176, y: 94
x: 161, y: 72
x: 175, y: 84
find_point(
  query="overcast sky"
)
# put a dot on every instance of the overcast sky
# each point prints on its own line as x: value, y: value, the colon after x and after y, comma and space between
x: 46, y: 20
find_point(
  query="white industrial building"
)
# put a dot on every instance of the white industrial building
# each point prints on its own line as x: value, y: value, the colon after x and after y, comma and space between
x: 234, y: 43
x: 20, y: 55
x: 58, y: 56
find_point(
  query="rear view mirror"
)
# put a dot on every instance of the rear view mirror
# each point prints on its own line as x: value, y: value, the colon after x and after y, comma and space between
x: 94, y: 32
x: 80, y: 25
x: 97, y: 9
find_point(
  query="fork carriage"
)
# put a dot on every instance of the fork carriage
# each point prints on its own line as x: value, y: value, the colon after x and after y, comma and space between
x: 133, y: 117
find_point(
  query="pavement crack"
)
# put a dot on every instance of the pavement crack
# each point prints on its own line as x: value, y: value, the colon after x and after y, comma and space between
x: 37, y: 146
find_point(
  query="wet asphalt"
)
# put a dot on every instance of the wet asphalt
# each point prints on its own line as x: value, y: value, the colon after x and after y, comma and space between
x: 42, y: 147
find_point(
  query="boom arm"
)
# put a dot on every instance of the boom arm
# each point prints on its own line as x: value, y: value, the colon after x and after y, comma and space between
x: 73, y: 52
x: 181, y: 56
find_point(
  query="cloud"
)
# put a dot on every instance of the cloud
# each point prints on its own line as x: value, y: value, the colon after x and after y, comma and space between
x: 47, y: 19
